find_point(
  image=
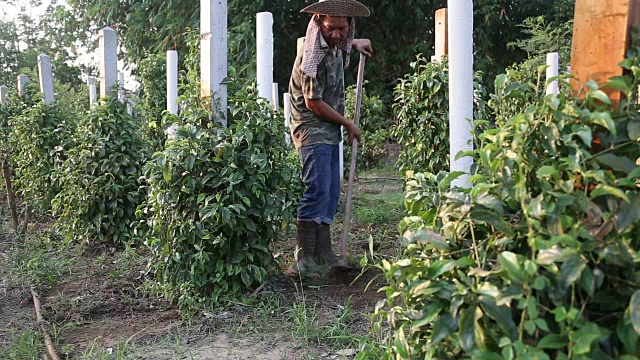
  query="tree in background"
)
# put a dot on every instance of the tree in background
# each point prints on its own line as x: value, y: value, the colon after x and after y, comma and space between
x: 399, y: 29
x: 57, y: 33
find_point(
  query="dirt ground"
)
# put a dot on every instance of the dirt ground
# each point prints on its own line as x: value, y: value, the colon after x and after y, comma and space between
x: 96, y: 305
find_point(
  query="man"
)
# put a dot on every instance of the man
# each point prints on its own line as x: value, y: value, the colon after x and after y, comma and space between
x: 317, y: 114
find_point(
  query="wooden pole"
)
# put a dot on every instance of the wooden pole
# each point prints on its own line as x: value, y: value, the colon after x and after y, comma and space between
x: 108, y: 61
x: 442, y: 34
x: 213, y: 54
x: 11, y: 196
x: 601, y: 37
x: 344, y: 252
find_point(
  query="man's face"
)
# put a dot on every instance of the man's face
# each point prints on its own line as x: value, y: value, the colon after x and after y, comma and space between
x: 334, y: 29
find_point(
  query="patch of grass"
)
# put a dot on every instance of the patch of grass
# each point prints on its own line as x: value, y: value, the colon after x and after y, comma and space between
x: 42, y: 259
x: 25, y: 346
x: 383, y: 208
x: 304, y: 322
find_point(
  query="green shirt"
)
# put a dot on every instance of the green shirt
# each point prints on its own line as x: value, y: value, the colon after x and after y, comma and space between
x: 306, y: 127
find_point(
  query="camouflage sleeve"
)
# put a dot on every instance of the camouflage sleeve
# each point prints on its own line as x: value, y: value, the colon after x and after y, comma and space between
x: 312, y: 88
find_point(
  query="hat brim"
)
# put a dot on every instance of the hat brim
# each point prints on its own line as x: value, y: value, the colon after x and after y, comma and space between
x: 338, y: 8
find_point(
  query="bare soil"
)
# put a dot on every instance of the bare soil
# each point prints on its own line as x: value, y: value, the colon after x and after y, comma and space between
x: 100, y: 306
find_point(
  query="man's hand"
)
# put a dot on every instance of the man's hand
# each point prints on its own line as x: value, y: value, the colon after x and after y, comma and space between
x: 363, y: 46
x: 354, y: 133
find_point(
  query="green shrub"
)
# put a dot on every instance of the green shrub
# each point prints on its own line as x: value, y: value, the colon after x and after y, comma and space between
x: 422, y: 109
x: 216, y: 199
x: 99, y: 180
x: 375, y: 130
x: 153, y: 99
x: 39, y: 138
x: 539, y: 259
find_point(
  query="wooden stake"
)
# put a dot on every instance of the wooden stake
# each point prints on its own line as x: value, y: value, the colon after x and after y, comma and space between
x: 11, y: 197
x: 601, y: 37
x: 442, y: 34
x: 48, y: 343
x: 344, y: 252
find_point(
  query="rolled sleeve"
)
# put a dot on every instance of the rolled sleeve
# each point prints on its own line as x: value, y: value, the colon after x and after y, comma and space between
x: 313, y: 88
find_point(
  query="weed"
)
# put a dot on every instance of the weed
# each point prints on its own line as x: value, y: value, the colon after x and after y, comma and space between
x: 25, y: 346
x: 41, y: 259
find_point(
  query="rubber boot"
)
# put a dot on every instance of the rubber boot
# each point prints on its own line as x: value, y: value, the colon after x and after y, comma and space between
x: 324, y: 253
x: 306, y: 246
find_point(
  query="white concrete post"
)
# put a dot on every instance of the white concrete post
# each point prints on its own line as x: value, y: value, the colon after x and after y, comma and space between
x: 287, y: 117
x: 172, y: 81
x: 553, y: 67
x: 46, y: 78
x: 121, y: 94
x: 264, y: 51
x: 460, y: 14
x: 91, y: 81
x: 3, y: 94
x: 108, y: 61
x: 23, y: 80
x: 213, y: 52
x: 275, y: 97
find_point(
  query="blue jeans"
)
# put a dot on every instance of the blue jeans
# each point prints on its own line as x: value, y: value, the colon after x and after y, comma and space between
x: 321, y: 178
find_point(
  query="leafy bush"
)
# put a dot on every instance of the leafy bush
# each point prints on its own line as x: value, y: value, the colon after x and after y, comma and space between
x: 153, y: 94
x: 422, y: 109
x: 99, y: 180
x: 543, y: 39
x: 217, y: 197
x: 38, y: 139
x: 538, y: 260
x: 375, y: 125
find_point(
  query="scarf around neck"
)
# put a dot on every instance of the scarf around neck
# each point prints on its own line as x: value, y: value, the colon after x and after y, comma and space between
x: 315, y: 49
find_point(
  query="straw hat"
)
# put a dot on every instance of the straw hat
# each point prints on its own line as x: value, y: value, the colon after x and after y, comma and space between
x: 338, y: 8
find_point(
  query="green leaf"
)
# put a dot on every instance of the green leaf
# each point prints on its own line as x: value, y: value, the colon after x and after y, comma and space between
x: 501, y: 315
x: 602, y: 190
x: 634, y: 310
x: 571, y: 270
x: 166, y: 173
x: 509, y: 262
x: 485, y: 355
x: 492, y: 219
x: 246, y: 279
x: 553, y: 341
x: 600, y: 96
x: 425, y: 236
x: 444, y: 326
x: 633, y: 130
x: 582, y: 341
x: 603, y: 119
x: 629, y: 212
x: 466, y: 329
x: 546, y: 171
x: 616, y: 163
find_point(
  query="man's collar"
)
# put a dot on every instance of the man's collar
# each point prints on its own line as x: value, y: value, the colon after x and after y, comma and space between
x: 324, y: 45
